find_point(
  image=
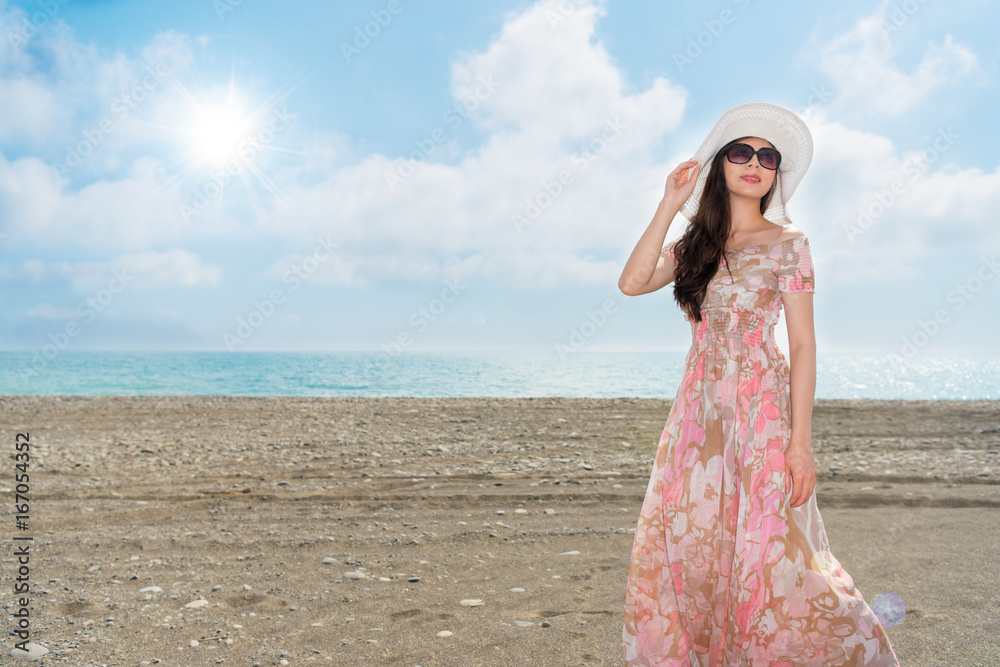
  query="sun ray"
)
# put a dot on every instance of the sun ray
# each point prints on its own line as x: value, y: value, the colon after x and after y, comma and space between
x: 275, y: 191
x: 229, y: 138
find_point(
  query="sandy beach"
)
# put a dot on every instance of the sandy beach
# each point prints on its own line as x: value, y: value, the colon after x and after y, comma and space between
x: 343, y: 531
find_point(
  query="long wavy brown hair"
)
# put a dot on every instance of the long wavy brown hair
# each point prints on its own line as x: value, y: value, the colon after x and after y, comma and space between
x: 703, y: 243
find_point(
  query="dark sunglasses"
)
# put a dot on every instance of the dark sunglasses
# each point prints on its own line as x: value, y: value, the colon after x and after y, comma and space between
x: 768, y: 158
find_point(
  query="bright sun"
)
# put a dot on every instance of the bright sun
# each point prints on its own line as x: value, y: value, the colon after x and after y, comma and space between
x: 226, y: 139
x: 217, y: 133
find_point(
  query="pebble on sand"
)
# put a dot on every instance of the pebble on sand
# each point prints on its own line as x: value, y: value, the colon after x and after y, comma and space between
x: 34, y: 652
x: 570, y: 553
x: 355, y: 575
x: 151, y: 589
x: 471, y: 602
x: 196, y: 603
x: 445, y: 633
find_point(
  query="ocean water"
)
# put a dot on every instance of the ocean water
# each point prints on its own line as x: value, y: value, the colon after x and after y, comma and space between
x: 438, y: 374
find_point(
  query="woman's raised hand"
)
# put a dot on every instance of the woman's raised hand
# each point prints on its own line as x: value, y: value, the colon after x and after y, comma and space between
x: 681, y: 182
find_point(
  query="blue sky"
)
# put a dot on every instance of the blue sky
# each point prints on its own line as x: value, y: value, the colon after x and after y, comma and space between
x: 233, y: 175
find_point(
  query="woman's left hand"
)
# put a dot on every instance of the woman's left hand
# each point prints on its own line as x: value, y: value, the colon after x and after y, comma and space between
x: 800, y: 473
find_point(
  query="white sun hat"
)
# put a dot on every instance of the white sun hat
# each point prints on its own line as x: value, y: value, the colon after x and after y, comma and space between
x: 785, y: 130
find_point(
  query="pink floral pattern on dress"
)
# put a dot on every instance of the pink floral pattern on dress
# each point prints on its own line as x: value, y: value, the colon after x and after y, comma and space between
x: 723, y: 571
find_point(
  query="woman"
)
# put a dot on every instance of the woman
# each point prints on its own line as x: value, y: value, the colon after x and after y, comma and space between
x: 731, y: 563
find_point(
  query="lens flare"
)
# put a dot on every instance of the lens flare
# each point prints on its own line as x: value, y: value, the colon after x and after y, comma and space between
x: 889, y: 608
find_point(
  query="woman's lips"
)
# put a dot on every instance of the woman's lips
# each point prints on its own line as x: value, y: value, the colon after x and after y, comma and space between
x: 750, y: 179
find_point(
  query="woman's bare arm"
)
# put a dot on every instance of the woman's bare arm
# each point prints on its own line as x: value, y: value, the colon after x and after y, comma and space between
x: 799, y: 460
x: 647, y: 268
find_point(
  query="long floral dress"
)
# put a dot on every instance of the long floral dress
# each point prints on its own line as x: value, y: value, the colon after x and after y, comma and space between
x: 723, y: 570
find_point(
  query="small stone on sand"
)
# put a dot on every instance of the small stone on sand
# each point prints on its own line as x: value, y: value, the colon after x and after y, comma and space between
x: 34, y: 652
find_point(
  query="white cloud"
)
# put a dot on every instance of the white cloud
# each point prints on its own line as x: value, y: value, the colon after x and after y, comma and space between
x: 137, y: 210
x: 554, y: 81
x: 55, y: 93
x: 335, y: 270
x: 959, y: 205
x: 546, y: 269
x: 142, y: 270
x: 29, y: 110
x: 877, y: 214
x: 554, y: 104
x: 29, y: 195
x: 867, y: 81
x: 172, y: 268
x: 51, y: 84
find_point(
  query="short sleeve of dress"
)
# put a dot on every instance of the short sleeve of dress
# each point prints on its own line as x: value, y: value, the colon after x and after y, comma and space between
x: 795, y: 274
x: 669, y: 248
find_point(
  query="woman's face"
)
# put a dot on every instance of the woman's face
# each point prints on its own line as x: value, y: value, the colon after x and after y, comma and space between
x: 750, y: 179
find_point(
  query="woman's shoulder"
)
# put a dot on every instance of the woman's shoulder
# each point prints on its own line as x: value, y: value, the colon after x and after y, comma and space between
x: 791, y: 233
